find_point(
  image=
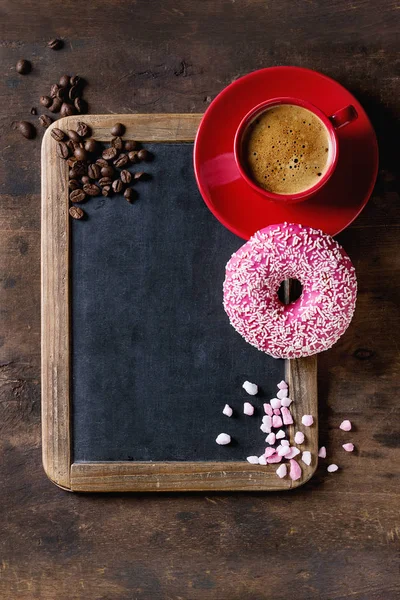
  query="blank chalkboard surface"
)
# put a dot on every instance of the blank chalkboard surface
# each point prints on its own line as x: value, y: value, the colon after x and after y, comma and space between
x: 139, y: 357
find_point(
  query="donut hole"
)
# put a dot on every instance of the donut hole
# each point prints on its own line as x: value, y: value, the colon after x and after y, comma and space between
x: 289, y: 291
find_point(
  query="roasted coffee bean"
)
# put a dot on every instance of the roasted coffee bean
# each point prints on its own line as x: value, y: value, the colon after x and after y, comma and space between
x: 94, y: 171
x: 45, y: 120
x: 77, y: 195
x: 55, y: 105
x: 76, y: 80
x: 26, y: 129
x: 81, y: 105
x: 133, y: 156
x: 131, y: 145
x: 76, y: 212
x: 117, y: 186
x: 121, y: 161
x: 71, y: 145
x: 74, y: 92
x: 62, y: 94
x: 57, y: 134
x: 71, y: 162
x: 63, y: 150
x: 130, y: 194
x: 105, y: 181
x: 23, y: 67
x: 144, y: 155
x: 55, y: 44
x: 91, y: 145
x: 64, y: 81
x: 74, y: 184
x: 85, y: 179
x: 33, y: 111
x: 126, y: 176
x: 118, y: 130
x: 45, y: 101
x: 73, y: 173
x: 54, y: 90
x: 107, y: 171
x: 74, y: 135
x: 91, y: 189
x: 67, y: 110
x: 101, y: 162
x: 140, y: 175
x: 106, y: 190
x: 75, y: 145
x: 109, y: 153
x: 82, y: 129
x: 81, y: 167
x: 80, y: 153
x: 117, y: 143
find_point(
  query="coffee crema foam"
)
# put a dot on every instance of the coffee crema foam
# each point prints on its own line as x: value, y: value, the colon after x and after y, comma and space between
x: 286, y: 149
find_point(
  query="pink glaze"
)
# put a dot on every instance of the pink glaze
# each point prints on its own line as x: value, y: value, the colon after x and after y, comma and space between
x: 312, y: 323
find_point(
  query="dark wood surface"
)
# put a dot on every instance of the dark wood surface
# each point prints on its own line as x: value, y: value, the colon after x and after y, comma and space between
x: 337, y: 537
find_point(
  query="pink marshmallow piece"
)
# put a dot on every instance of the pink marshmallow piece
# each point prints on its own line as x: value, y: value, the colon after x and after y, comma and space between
x: 283, y: 450
x: 282, y: 394
x: 262, y: 460
x: 282, y: 385
x: 277, y: 411
x: 280, y: 434
x: 293, y: 452
x: 306, y: 458
x: 295, y: 470
x: 285, y: 443
x: 299, y: 437
x: 348, y: 447
x: 275, y: 403
x: 248, y: 409
x: 345, y: 425
x: 271, y: 438
x: 307, y: 420
x: 268, y: 409
x: 253, y: 460
x: 332, y: 468
x: 281, y: 471
x: 276, y: 421
x: 227, y: 410
x: 269, y: 452
x: 274, y: 458
x: 322, y: 452
x: 286, y: 416
x: 286, y: 402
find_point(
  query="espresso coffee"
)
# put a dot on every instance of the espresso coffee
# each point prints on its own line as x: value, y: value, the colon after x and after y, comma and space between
x: 286, y: 149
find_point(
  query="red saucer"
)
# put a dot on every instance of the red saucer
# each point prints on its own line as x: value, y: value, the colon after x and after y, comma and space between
x: 242, y: 210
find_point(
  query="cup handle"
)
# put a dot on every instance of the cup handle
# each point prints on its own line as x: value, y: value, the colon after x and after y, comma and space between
x: 344, y: 116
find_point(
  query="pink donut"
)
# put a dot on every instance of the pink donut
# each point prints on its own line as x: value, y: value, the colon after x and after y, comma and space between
x: 312, y: 323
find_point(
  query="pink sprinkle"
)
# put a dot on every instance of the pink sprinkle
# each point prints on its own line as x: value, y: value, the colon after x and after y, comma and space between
x: 262, y: 460
x: 285, y: 443
x: 306, y: 457
x: 253, y: 460
x: 282, y: 385
x: 276, y: 421
x: 268, y: 409
x: 274, y: 458
x: 332, y: 468
x: 286, y: 401
x: 282, y: 471
x: 282, y: 394
x: 271, y: 438
x: 269, y: 452
x: 348, y: 447
x: 293, y: 452
x: 345, y: 425
x: 248, y: 409
x: 299, y: 437
x: 227, y: 410
x: 283, y: 450
x: 295, y: 470
x: 275, y: 403
x: 277, y: 411
x: 280, y: 434
x: 286, y: 416
x: 223, y: 439
x: 322, y: 452
x: 307, y: 420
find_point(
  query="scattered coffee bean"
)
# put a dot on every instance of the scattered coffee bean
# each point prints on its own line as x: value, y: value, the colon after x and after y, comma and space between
x: 57, y: 134
x: 33, y: 111
x: 102, y: 162
x: 104, y: 181
x: 64, y: 81
x: 118, y: 130
x: 144, y: 155
x: 62, y: 150
x: 133, y: 156
x: 117, y: 186
x: 106, y: 190
x: 131, y: 145
x: 74, y: 92
x: 73, y: 173
x: 23, y: 67
x: 117, y: 143
x: 55, y: 105
x: 81, y: 167
x: 62, y: 94
x: 45, y: 121
x: 126, y: 176
x: 71, y: 162
x: 76, y: 212
x: 45, y: 101
x: 121, y: 161
x: 76, y: 80
x: 130, y: 194
x: 81, y: 106
x: 26, y: 129
x: 94, y: 171
x: 90, y: 145
x: 91, y: 189
x: 109, y: 153
x: 54, y: 90
x: 85, y: 179
x: 107, y: 171
x: 67, y: 110
x: 80, y: 153
x: 74, y: 136
x: 55, y: 44
x: 77, y: 195
x: 74, y: 184
x: 139, y: 175
x: 83, y: 130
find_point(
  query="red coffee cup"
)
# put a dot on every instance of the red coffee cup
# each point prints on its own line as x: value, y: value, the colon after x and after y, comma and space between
x: 339, y: 119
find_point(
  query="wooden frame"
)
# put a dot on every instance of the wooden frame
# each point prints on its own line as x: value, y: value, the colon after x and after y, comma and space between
x: 56, y: 429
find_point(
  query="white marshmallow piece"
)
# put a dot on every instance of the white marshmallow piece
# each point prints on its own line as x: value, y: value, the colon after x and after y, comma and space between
x: 223, y: 439
x: 282, y: 394
x: 286, y: 402
x: 275, y: 403
x: 322, y: 452
x: 293, y: 452
x: 281, y: 471
x: 271, y: 438
x: 348, y: 447
x: 306, y: 457
x: 307, y: 420
x: 345, y: 425
x: 227, y: 410
x: 283, y: 450
x: 332, y: 468
x: 265, y: 429
x: 251, y: 388
x: 299, y: 437
x: 253, y: 460
x: 280, y: 434
x: 282, y: 385
x: 262, y: 460
x: 285, y: 443
x: 248, y: 409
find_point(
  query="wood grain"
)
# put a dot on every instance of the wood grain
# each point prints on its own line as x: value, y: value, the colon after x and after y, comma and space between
x: 56, y: 400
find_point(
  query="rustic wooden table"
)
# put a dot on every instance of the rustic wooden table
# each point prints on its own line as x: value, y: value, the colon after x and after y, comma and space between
x: 337, y: 537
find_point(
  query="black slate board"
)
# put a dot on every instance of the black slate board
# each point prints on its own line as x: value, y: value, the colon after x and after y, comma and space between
x: 154, y: 358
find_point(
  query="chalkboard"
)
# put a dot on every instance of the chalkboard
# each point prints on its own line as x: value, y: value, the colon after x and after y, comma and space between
x: 154, y: 358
